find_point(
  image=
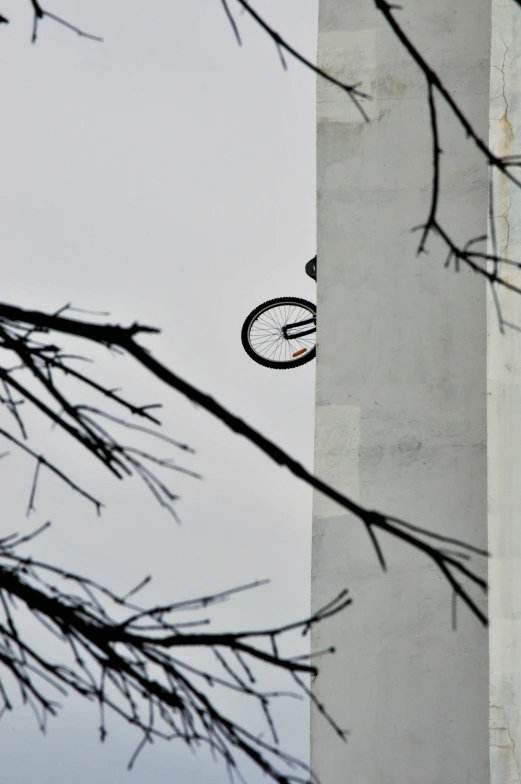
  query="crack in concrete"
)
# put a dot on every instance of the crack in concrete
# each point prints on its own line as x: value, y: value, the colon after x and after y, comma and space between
x: 506, y: 728
x: 508, y: 134
x: 512, y: 741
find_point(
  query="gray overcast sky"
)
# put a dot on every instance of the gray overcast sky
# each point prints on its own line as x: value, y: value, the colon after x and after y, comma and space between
x: 165, y: 175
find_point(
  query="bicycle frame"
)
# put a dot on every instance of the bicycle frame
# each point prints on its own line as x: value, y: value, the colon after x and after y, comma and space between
x: 294, y: 335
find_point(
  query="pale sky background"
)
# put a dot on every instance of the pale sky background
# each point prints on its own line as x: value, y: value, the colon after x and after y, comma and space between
x: 165, y: 175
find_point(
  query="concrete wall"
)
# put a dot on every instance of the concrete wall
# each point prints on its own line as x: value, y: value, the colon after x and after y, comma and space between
x: 401, y: 398
x: 504, y: 413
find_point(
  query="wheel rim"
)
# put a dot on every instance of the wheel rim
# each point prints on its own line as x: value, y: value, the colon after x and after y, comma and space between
x: 266, y: 337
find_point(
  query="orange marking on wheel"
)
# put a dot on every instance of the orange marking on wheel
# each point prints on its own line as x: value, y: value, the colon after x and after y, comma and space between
x: 298, y: 353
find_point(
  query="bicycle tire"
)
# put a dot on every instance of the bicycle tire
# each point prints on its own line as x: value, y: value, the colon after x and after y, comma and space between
x: 271, y: 349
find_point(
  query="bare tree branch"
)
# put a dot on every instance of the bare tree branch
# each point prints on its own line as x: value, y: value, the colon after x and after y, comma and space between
x: 49, y: 366
x: 459, y: 576
x: 282, y: 46
x: 485, y: 264
x: 480, y: 263
x: 41, y: 460
x: 40, y: 13
x: 132, y: 665
x: 129, y: 666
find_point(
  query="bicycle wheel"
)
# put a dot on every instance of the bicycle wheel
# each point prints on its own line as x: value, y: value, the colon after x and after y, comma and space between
x: 281, y: 333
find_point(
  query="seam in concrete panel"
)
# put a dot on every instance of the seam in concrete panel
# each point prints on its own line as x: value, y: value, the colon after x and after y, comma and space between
x: 511, y: 745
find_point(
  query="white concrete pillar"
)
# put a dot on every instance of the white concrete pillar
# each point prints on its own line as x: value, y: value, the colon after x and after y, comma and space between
x: 401, y: 398
x: 504, y: 411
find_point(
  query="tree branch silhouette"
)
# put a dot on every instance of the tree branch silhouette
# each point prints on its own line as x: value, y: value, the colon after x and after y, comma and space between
x: 483, y: 263
x: 352, y: 90
x: 133, y: 664
x: 40, y: 13
x: 17, y: 330
x: 126, y: 657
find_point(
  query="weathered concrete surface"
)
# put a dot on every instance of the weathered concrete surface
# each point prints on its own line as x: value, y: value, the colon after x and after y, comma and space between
x: 401, y: 399
x: 504, y: 413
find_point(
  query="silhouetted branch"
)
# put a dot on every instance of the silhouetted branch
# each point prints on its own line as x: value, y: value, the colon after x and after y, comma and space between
x: 485, y: 264
x: 49, y: 366
x: 114, y: 456
x: 39, y: 13
x: 232, y: 21
x: 128, y: 664
x: 41, y: 460
x: 434, y: 85
x: 282, y: 45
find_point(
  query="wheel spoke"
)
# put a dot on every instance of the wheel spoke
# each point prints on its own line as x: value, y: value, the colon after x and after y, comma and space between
x: 267, y: 339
